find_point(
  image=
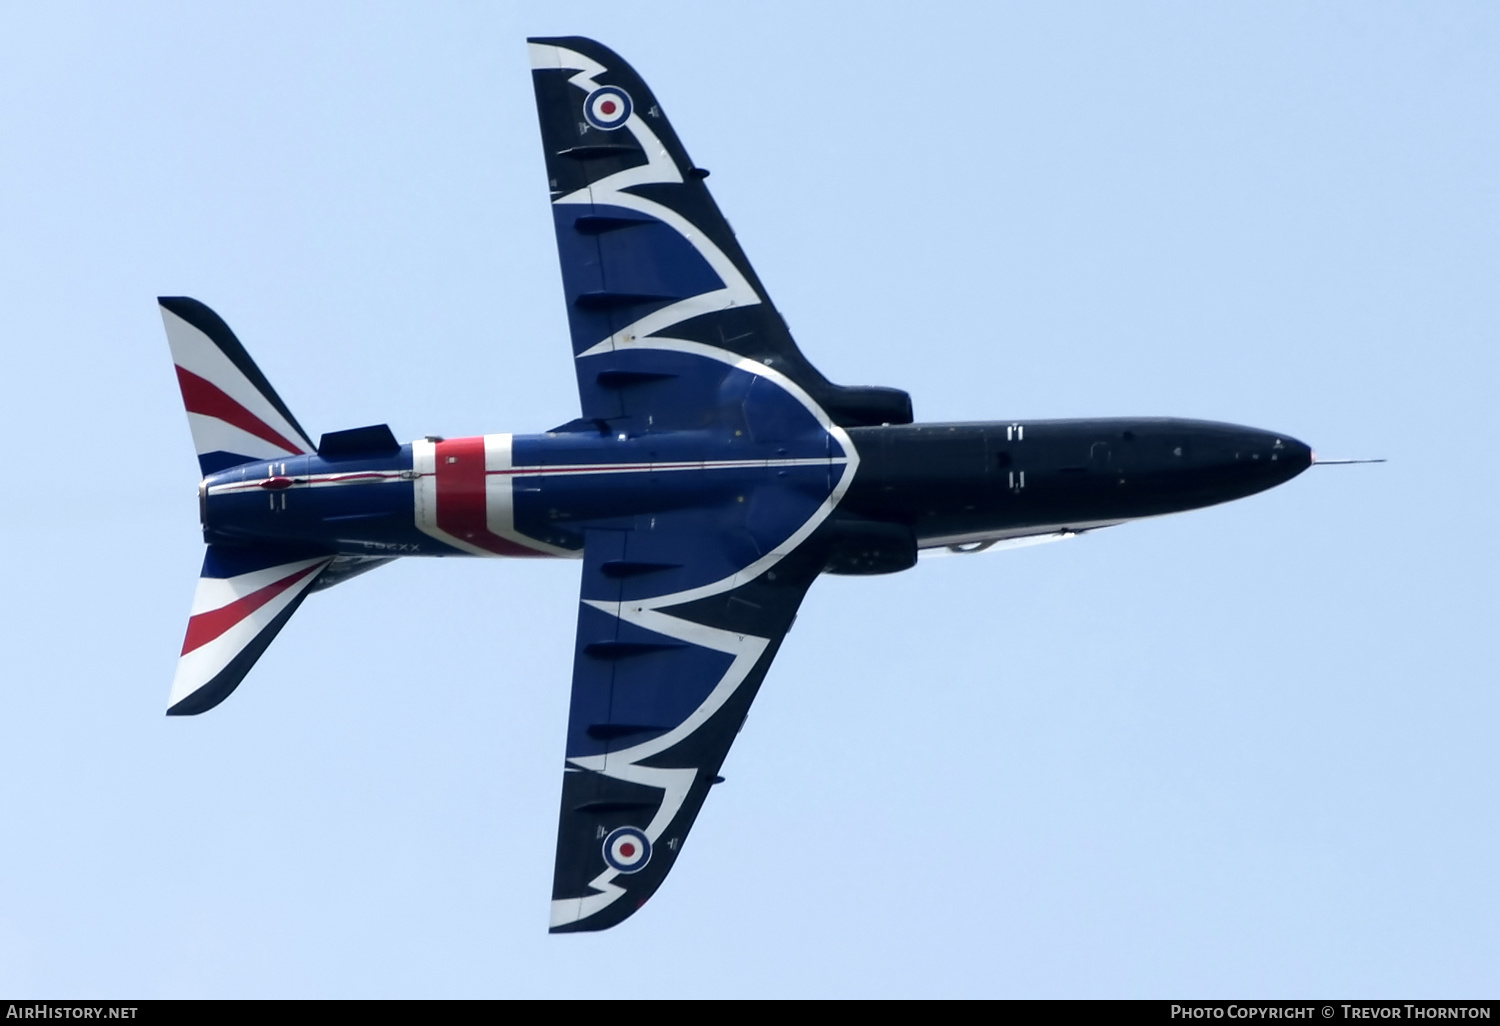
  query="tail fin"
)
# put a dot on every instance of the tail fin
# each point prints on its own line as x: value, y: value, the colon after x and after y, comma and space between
x: 245, y: 596
x: 235, y: 414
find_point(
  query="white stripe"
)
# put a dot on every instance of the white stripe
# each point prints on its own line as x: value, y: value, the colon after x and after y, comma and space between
x: 356, y: 477
x: 746, y: 648
x: 499, y: 490
x: 210, y: 434
x: 202, y: 664
x: 545, y: 57
x: 500, y: 499
x: 653, y: 468
x: 217, y: 592
x: 850, y: 463
x: 659, y: 169
x: 194, y: 351
x: 1034, y: 534
x: 367, y: 477
x: 498, y: 478
x: 424, y: 462
x: 570, y: 910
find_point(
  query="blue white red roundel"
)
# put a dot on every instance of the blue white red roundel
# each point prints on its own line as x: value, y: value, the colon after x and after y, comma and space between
x: 627, y: 850
x: 607, y: 107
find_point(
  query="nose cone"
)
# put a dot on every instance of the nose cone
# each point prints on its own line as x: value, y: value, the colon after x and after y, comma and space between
x: 1263, y: 459
x: 1290, y: 456
x: 1178, y: 464
x: 1228, y: 461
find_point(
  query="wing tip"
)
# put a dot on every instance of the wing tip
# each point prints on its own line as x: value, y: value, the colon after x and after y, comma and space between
x: 186, y: 307
x: 594, y: 914
x: 201, y: 700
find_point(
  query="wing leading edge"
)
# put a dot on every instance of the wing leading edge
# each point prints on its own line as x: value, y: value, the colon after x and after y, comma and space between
x: 677, y: 348
x: 682, y: 609
x: 648, y: 259
x: 659, y: 693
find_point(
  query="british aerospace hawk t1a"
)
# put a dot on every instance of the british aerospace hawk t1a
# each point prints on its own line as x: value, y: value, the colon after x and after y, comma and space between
x: 711, y: 476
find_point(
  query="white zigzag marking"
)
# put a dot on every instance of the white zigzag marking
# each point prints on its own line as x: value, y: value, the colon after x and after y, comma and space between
x: 746, y: 648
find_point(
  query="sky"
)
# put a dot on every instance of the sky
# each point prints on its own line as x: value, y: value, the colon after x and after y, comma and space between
x: 1241, y: 752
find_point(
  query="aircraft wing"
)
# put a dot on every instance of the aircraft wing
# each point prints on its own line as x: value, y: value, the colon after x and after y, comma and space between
x: 682, y: 359
x: 659, y: 693
x: 650, y: 267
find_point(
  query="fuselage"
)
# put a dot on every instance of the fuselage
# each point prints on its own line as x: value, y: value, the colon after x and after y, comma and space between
x: 962, y: 484
x: 538, y: 495
x: 711, y: 475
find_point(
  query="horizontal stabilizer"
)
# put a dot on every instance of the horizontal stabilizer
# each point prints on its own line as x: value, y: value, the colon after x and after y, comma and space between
x: 235, y: 414
x: 245, y: 596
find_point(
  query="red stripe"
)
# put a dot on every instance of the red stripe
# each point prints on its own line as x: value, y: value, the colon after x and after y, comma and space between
x: 373, y: 475
x: 205, y: 627
x: 585, y: 468
x: 200, y: 395
x: 460, y: 497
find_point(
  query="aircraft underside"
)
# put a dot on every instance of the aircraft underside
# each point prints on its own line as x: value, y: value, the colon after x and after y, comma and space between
x: 711, y: 476
x: 539, y: 495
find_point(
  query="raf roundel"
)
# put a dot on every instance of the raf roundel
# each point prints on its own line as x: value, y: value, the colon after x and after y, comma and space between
x: 607, y: 108
x: 626, y: 849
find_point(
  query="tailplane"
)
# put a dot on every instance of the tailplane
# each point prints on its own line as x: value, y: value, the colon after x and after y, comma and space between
x: 245, y: 595
x: 235, y: 414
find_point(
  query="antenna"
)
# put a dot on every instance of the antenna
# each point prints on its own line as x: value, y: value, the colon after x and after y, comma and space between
x: 1339, y: 463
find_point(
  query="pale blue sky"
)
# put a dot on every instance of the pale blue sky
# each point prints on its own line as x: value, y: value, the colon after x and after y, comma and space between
x: 1247, y: 751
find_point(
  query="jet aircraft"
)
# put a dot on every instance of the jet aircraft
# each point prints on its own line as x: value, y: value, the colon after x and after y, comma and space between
x: 711, y: 476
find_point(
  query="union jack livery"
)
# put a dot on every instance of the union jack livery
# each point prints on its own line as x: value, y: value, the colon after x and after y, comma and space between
x: 711, y: 476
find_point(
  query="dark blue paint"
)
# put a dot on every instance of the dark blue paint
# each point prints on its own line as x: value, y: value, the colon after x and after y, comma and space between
x: 640, y: 257
x: 658, y: 688
x: 213, y: 462
x: 707, y: 523
x: 698, y: 525
x: 222, y: 561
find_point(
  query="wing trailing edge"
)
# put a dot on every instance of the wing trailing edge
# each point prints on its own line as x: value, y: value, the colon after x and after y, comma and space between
x: 647, y: 257
x: 660, y: 691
